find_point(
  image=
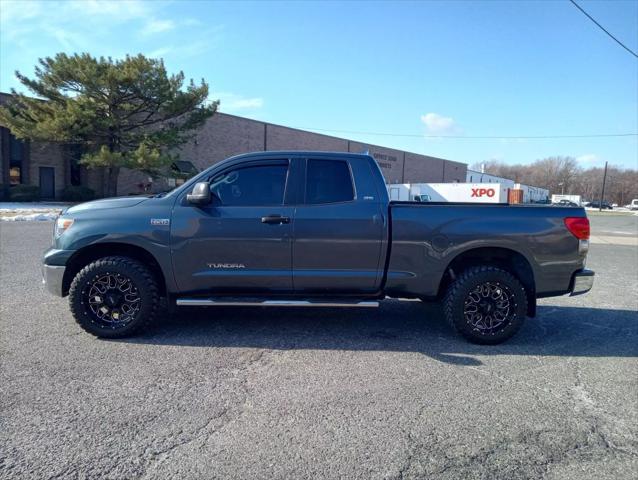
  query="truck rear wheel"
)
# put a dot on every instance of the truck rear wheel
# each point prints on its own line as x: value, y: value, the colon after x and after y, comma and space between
x: 114, y: 297
x: 486, y: 305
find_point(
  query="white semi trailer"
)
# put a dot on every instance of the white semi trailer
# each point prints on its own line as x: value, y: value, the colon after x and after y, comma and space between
x: 449, y: 192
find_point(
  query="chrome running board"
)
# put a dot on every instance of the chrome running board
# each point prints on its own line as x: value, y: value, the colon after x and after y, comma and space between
x: 239, y: 302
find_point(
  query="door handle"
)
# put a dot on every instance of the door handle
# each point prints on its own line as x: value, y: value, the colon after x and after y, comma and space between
x: 275, y: 219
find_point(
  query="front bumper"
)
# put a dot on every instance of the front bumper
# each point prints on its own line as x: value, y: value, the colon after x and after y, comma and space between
x: 52, y: 276
x: 582, y: 282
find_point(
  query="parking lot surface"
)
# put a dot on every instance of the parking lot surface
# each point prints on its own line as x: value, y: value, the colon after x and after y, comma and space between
x: 335, y: 393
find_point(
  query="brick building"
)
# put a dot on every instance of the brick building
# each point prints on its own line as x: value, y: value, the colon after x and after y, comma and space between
x: 52, y: 167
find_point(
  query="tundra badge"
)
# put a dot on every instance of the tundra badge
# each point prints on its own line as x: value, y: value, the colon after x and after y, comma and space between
x: 226, y: 265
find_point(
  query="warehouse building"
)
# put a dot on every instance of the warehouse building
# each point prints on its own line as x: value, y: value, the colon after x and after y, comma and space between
x: 53, y: 166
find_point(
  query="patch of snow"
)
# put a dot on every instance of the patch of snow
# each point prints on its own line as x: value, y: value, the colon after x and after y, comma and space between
x: 30, y: 217
x: 31, y: 206
x: 30, y: 211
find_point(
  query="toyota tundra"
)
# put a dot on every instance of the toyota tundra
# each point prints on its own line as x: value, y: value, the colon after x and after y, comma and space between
x: 311, y: 229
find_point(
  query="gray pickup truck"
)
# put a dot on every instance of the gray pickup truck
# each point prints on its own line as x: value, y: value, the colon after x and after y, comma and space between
x: 311, y: 229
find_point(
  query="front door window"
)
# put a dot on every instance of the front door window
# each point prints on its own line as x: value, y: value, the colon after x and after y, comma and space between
x: 251, y: 186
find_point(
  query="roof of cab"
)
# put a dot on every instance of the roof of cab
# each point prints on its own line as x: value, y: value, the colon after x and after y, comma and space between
x: 281, y: 154
x: 297, y: 153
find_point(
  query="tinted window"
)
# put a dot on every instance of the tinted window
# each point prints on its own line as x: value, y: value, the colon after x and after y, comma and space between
x: 251, y: 186
x: 328, y: 181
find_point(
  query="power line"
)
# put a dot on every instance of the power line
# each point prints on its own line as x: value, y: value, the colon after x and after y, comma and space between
x: 494, y: 137
x: 604, y: 30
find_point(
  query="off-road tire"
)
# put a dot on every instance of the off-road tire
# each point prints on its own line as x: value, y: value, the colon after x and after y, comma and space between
x: 140, y: 276
x: 454, y: 304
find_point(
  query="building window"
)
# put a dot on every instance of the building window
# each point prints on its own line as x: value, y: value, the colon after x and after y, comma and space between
x: 16, y: 160
x: 15, y: 176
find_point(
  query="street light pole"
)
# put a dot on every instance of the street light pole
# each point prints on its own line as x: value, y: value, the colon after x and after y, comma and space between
x: 602, y: 193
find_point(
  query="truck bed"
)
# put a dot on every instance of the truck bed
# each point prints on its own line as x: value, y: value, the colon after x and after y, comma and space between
x: 427, y: 237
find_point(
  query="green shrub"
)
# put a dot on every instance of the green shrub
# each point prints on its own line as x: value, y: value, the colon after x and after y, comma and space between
x: 24, y: 193
x: 77, y: 193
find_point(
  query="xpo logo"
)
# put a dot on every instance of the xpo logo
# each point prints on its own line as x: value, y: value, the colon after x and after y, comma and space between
x: 482, y: 192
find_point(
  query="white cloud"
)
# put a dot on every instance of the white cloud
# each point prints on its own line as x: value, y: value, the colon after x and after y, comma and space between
x: 37, y: 28
x: 588, y: 159
x: 20, y: 19
x: 160, y: 52
x: 15, y: 11
x: 193, y: 49
x: 158, y: 26
x: 248, y: 103
x: 122, y: 10
x: 232, y: 102
x: 69, y: 40
x: 16, y: 20
x: 191, y: 22
x: 436, y: 124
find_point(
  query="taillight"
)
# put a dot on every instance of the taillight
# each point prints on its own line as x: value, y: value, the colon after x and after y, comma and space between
x: 578, y: 226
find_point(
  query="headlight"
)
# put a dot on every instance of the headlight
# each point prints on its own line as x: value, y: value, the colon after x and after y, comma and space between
x: 62, y: 224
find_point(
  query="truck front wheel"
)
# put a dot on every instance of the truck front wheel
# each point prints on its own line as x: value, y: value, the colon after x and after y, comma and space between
x: 486, y: 304
x: 114, y: 297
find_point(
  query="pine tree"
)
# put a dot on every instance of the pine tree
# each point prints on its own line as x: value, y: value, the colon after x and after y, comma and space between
x: 125, y: 113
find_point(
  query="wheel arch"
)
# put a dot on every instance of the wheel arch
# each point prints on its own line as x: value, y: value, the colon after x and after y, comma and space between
x: 92, y: 252
x: 510, y: 260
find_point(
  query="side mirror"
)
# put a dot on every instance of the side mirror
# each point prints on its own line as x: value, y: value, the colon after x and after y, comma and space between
x: 200, y: 194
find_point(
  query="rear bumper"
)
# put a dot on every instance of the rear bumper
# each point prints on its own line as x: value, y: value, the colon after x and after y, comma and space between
x: 52, y: 276
x: 582, y: 282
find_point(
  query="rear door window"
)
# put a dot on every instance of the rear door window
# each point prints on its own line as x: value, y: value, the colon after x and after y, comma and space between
x: 328, y: 181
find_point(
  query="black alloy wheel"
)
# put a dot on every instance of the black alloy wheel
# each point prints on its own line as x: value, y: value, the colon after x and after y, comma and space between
x: 486, y: 304
x: 113, y: 300
x: 114, y: 297
x: 489, y: 307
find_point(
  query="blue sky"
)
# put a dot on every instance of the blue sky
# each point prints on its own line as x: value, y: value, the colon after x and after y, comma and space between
x: 441, y: 68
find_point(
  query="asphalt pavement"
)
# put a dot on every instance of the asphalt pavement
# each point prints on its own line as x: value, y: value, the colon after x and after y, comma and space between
x: 336, y: 393
x: 614, y: 223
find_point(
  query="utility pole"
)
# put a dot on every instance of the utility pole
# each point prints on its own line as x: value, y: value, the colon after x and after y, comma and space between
x: 602, y: 193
